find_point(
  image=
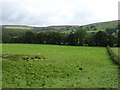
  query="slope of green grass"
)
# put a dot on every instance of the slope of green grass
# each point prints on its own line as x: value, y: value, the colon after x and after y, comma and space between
x: 102, y: 25
x: 63, y: 67
x: 18, y: 27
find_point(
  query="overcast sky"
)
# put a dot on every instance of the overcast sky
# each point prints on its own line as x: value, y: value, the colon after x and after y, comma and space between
x: 57, y: 12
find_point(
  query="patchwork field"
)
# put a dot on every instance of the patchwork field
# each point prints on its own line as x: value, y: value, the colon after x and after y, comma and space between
x: 54, y: 66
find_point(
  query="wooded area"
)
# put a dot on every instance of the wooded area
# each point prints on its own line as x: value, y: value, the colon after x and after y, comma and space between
x: 76, y: 38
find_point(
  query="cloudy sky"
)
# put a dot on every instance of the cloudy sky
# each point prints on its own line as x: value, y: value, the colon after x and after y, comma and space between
x: 57, y: 12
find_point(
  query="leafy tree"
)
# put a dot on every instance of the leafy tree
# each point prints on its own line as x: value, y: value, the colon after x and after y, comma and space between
x: 112, y: 40
x: 80, y: 36
x: 29, y: 37
x: 89, y: 39
x: 40, y: 38
x: 6, y: 39
x: 111, y: 30
x: 64, y: 38
x: 119, y: 38
x: 101, y: 38
x: 71, y: 38
x: 53, y: 37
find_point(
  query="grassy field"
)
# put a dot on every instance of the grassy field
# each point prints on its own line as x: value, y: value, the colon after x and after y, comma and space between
x: 10, y: 27
x: 54, y: 66
x: 116, y: 51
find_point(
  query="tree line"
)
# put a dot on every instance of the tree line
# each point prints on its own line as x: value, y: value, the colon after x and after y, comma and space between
x: 75, y: 38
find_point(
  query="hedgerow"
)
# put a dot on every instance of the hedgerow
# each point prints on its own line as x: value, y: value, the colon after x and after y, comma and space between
x: 114, y: 57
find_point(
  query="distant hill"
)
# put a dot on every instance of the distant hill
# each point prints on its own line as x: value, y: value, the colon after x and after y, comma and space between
x: 100, y: 26
x: 15, y: 29
x: 89, y: 27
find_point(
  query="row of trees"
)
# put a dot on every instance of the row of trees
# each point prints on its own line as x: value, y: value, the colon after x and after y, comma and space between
x: 76, y: 38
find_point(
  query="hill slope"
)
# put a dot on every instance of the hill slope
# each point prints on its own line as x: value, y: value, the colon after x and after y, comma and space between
x: 10, y: 29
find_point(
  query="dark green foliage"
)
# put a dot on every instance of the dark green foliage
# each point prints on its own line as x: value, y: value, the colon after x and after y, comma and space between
x: 101, y: 38
x: 89, y: 39
x: 30, y: 36
x: 40, y: 38
x: 53, y: 38
x: 80, y: 36
x: 77, y: 38
x: 119, y: 38
x: 111, y: 30
x: 92, y: 26
x: 112, y: 40
x: 71, y: 39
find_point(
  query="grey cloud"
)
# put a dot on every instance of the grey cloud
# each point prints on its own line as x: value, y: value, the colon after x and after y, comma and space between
x: 50, y: 13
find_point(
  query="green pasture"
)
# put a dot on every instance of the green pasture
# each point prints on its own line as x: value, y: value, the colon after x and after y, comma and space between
x: 55, y: 66
x: 18, y: 27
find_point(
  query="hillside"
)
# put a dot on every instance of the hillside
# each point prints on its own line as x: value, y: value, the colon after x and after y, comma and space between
x: 100, y: 26
x: 15, y: 29
x: 91, y: 27
x: 103, y: 25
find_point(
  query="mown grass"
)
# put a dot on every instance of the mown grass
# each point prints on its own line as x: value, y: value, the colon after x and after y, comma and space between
x: 63, y: 67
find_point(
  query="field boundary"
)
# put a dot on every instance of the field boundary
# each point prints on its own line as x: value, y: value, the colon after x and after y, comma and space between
x: 114, y: 57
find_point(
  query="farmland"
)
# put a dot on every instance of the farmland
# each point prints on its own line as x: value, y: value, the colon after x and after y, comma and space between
x: 55, y: 66
x: 17, y: 27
